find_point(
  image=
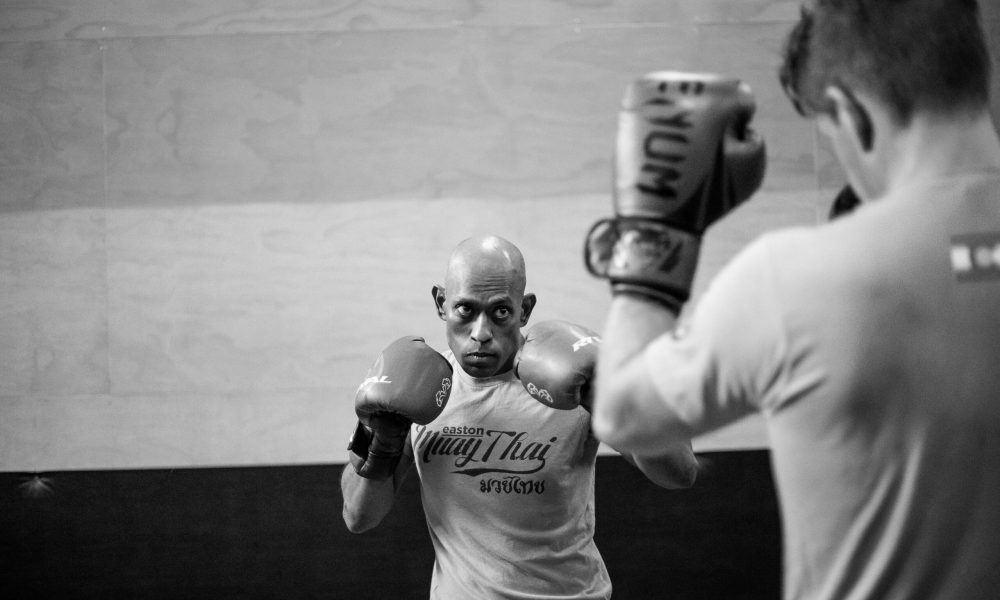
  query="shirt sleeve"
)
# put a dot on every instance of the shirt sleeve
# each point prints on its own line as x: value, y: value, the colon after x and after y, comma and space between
x: 721, y: 363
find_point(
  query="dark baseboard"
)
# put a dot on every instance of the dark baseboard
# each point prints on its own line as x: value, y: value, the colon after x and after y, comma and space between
x: 276, y: 532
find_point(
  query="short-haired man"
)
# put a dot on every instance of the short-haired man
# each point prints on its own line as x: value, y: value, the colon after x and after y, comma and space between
x: 870, y: 344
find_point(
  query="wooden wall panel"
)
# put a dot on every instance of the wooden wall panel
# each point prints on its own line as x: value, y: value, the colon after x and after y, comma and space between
x: 337, y: 117
x: 51, y: 126
x: 44, y: 432
x: 101, y: 19
x: 53, y: 303
x: 214, y: 215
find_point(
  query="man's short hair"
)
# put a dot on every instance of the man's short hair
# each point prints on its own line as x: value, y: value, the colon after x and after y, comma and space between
x: 911, y: 54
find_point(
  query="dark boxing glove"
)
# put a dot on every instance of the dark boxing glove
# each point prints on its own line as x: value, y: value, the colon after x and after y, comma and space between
x: 408, y: 383
x: 556, y: 364
x: 684, y: 157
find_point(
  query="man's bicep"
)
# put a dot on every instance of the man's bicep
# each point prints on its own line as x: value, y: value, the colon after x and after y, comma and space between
x: 706, y: 373
x: 735, y: 340
x: 641, y: 422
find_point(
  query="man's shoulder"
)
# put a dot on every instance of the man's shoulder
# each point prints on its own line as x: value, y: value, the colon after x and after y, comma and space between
x: 810, y: 246
x: 776, y: 248
x: 780, y: 263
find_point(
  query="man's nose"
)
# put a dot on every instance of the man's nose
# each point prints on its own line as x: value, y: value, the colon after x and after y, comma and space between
x: 481, y: 329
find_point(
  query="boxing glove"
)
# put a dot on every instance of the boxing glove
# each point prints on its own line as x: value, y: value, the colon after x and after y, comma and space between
x: 408, y: 383
x: 556, y: 364
x: 684, y: 156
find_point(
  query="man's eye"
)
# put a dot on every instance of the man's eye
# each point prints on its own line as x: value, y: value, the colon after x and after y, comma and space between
x: 463, y: 311
x: 503, y: 312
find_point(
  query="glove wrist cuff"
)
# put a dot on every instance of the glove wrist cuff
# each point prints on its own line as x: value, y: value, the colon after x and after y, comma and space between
x: 368, y: 459
x: 644, y: 257
x: 671, y: 302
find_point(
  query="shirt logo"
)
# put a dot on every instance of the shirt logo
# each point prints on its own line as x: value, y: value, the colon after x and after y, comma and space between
x: 476, y: 450
x: 500, y: 460
x: 976, y: 257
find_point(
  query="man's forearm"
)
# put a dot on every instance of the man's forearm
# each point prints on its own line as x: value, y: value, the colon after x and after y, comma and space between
x: 631, y: 325
x: 677, y: 468
x: 624, y: 403
x: 366, y: 501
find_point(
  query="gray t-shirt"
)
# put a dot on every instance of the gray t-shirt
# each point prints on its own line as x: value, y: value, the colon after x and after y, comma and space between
x: 507, y: 485
x: 871, y: 345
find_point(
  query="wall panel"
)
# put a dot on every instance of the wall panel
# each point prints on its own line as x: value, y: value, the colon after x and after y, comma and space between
x: 214, y: 215
x: 101, y: 19
x: 51, y: 126
x: 52, y: 257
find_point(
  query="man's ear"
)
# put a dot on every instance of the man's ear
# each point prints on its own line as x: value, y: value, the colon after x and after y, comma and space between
x: 849, y: 112
x: 438, y: 292
x: 527, y: 305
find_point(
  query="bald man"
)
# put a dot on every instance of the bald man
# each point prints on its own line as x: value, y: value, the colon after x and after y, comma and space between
x: 507, y: 482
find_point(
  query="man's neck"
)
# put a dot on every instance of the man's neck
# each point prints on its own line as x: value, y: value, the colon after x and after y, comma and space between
x: 933, y: 147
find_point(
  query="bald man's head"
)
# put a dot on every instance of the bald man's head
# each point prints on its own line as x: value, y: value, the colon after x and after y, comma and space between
x: 484, y: 305
x: 487, y: 259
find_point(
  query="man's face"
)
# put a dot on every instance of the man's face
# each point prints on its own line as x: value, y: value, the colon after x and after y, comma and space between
x: 483, y: 317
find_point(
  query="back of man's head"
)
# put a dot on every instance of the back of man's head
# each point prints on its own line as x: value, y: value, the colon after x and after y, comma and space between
x: 912, y: 55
